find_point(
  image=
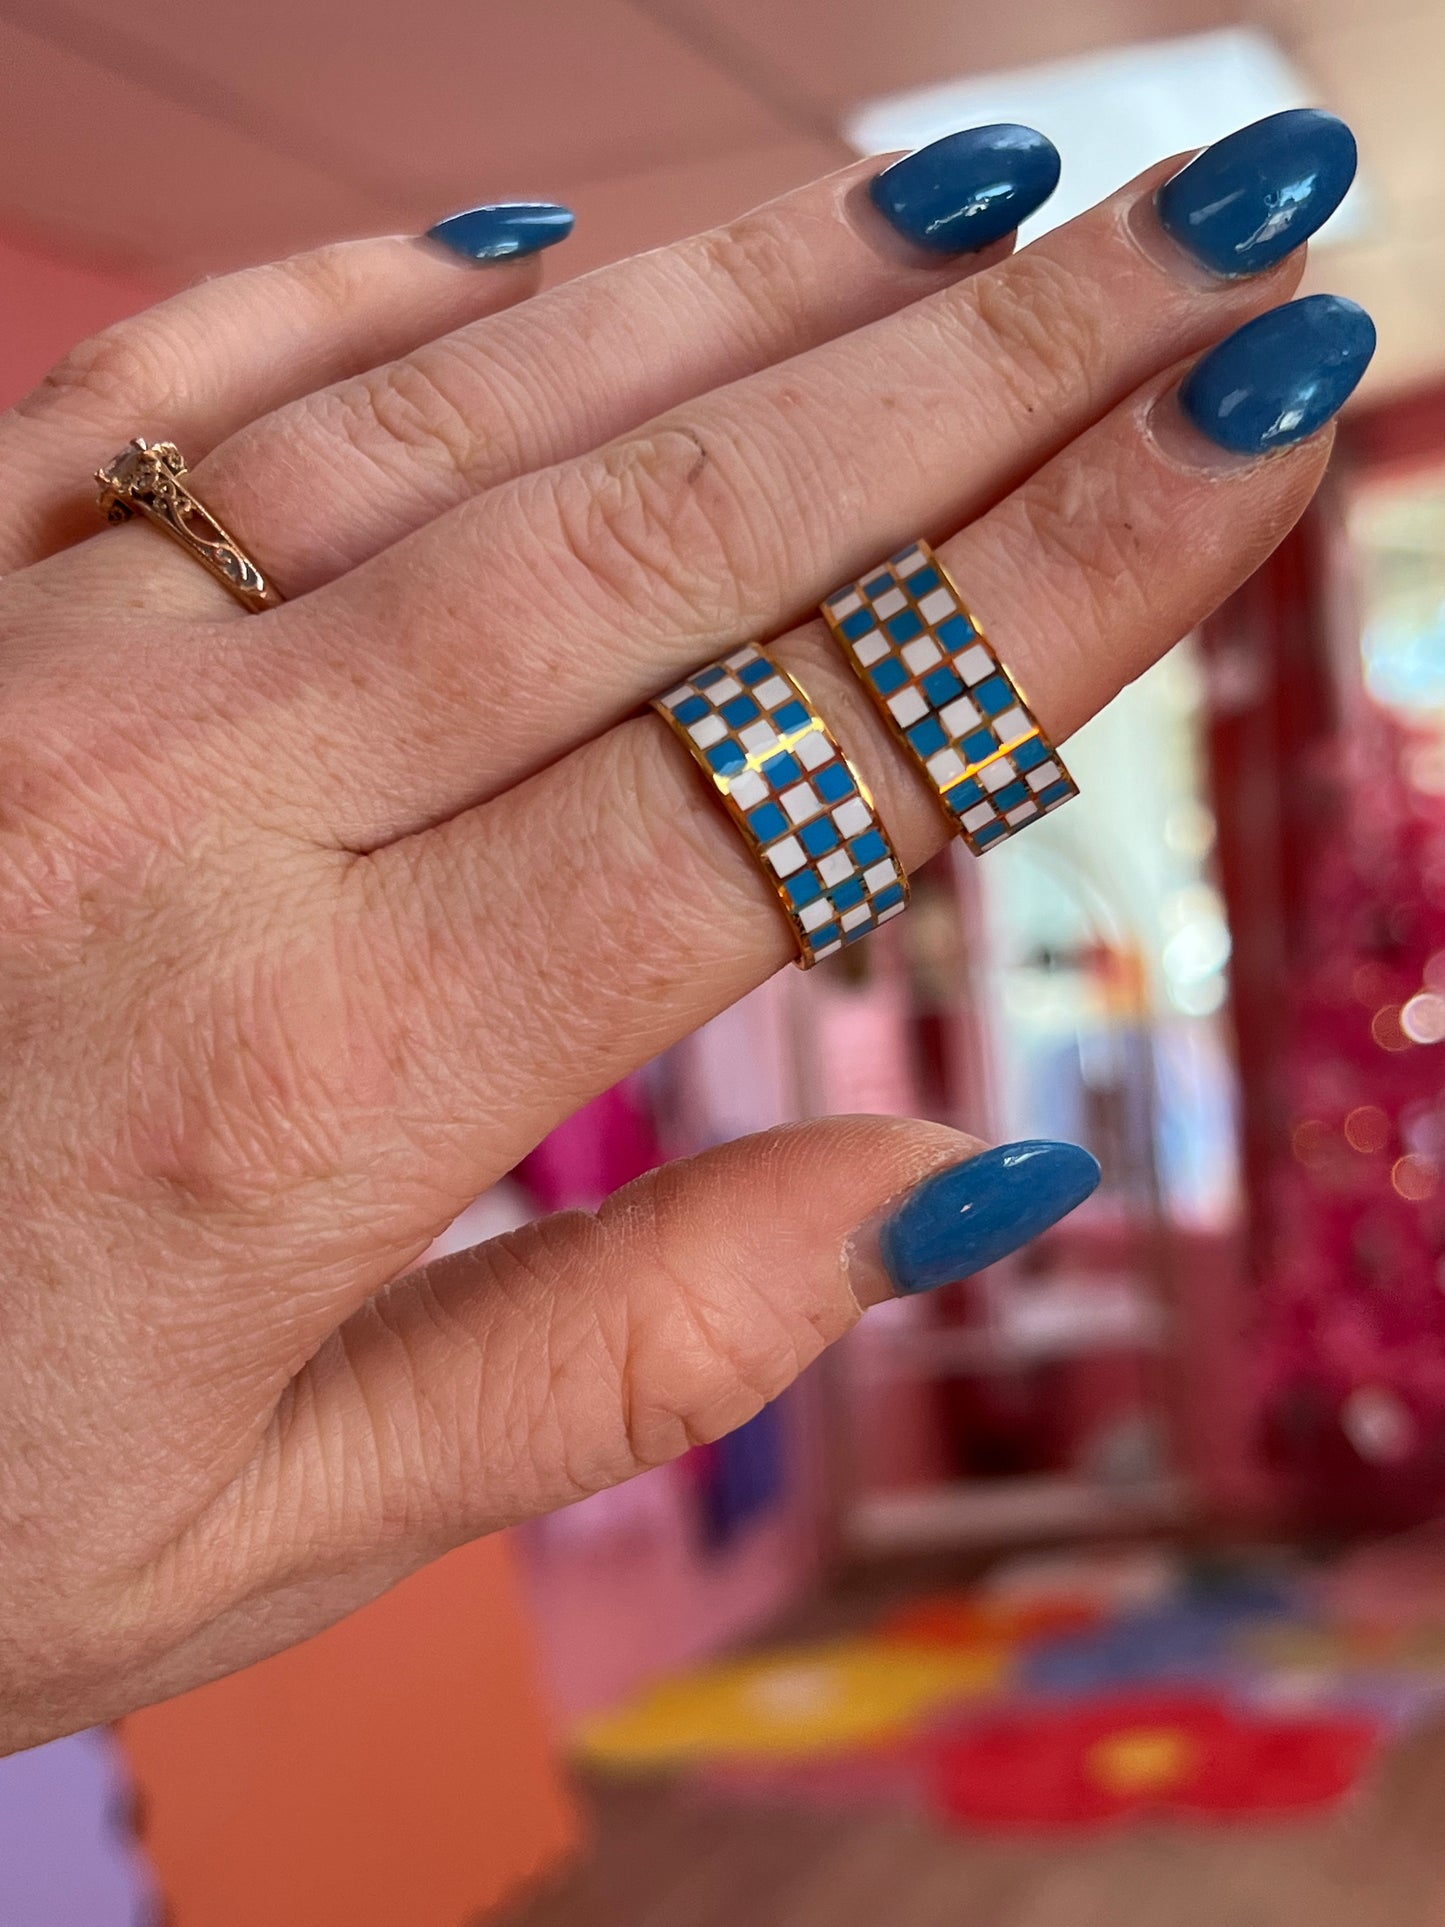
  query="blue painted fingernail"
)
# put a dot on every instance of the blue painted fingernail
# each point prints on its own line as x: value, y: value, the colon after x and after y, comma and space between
x: 973, y: 1214
x: 1281, y: 376
x: 968, y: 189
x: 504, y: 230
x: 1254, y: 196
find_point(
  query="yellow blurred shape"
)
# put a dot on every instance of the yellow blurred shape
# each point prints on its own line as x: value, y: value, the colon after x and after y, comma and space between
x: 1142, y: 1759
x: 793, y: 1702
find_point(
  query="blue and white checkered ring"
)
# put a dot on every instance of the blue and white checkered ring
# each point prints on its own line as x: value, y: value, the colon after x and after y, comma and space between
x: 947, y: 698
x: 804, y: 810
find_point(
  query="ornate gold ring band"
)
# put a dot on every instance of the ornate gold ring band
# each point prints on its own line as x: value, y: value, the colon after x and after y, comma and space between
x: 149, y: 479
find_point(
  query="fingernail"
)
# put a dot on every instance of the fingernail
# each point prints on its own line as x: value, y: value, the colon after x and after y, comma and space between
x: 968, y: 189
x: 504, y: 230
x: 1254, y: 196
x: 972, y: 1214
x: 1281, y: 376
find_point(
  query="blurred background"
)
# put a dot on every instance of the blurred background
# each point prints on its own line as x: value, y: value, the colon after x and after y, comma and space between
x: 1105, y: 1585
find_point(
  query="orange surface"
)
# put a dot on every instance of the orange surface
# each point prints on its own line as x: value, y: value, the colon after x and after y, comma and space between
x: 397, y: 1771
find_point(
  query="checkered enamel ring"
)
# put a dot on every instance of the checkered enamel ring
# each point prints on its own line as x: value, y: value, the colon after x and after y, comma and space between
x: 947, y: 698
x: 802, y: 807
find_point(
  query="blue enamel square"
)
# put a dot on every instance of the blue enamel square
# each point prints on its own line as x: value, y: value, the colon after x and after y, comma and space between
x: 905, y: 625
x: 858, y: 930
x: 868, y: 848
x: 955, y: 633
x: 845, y: 894
x: 738, y: 713
x: 886, y: 899
x: 928, y: 736
x: 767, y: 822
x: 727, y: 759
x: 818, y: 837
x: 791, y: 716
x: 803, y: 886
x: 941, y: 685
x: 994, y: 696
x: 782, y: 770
x: 758, y: 671
x: 1030, y: 754
x: 1010, y: 796
x: 964, y: 796
x: 705, y: 678
x: 822, y: 937
x: 880, y: 585
x: 1056, y: 793
x: 857, y: 625
x: 833, y: 782
x: 980, y: 746
x: 693, y: 710
x: 922, y: 581
x: 990, y: 833
x: 888, y: 675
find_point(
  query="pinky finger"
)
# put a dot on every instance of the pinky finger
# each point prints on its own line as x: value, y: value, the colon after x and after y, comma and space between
x: 203, y: 364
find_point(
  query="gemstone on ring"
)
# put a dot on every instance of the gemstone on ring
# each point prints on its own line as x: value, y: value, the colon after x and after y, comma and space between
x: 801, y: 806
x: 947, y: 698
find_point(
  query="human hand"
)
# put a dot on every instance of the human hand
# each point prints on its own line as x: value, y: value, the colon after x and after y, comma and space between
x: 313, y: 922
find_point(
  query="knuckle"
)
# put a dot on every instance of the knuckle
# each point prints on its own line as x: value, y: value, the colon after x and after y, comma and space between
x: 1043, y: 335
x: 1084, y: 520
x: 758, y: 258
x: 660, y: 525
x: 408, y: 411
x: 111, y: 371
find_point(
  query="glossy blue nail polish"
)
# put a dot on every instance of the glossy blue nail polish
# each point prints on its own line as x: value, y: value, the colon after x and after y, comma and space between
x: 1254, y: 196
x: 969, y: 189
x: 1281, y: 376
x: 973, y: 1214
x: 504, y: 230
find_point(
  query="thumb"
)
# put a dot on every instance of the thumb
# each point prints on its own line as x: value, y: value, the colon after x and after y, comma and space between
x: 506, y: 1381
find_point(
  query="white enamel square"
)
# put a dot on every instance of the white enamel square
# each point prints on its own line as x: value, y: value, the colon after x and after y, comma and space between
x: 759, y: 738
x: 974, y: 665
x: 980, y: 814
x: 960, y: 718
x: 937, y: 604
x: 740, y: 658
x: 846, y: 603
x: 907, y: 706
x: 724, y: 691
x: 890, y: 602
x: 748, y: 789
x: 678, y: 695
x: 827, y: 950
x: 945, y: 767
x: 813, y: 749
x: 922, y: 654
x: 787, y: 856
x: 802, y: 802
x: 813, y: 915
x: 853, y: 817
x: 772, y: 693
x: 835, y: 867
x: 860, y: 913
x: 879, y: 876
x: 893, y: 910
x: 997, y: 774
x: 1013, y: 726
x: 870, y: 648
x: 1021, y: 812
x: 1040, y: 778
x: 707, y: 730
x: 910, y: 563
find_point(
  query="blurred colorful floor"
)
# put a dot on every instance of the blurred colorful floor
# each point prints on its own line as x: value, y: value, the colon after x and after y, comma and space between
x: 1250, y: 1743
